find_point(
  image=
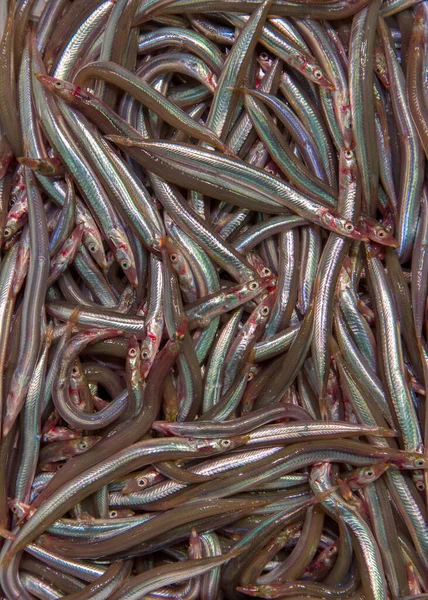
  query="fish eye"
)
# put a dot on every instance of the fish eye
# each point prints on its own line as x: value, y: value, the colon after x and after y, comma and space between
x: 420, y: 486
x: 264, y: 56
x: 381, y: 233
x: 250, y: 376
x: 132, y: 352
x: 419, y: 462
x: 7, y: 232
x: 264, y: 311
x: 92, y: 248
x: 142, y: 482
x: 75, y: 370
x: 58, y: 85
x: 173, y: 258
x: 318, y: 74
x: 83, y: 445
x: 369, y: 473
x: 125, y: 265
x: 225, y: 443
x: 174, y: 346
x: 113, y: 514
x: 145, y: 354
x: 349, y: 154
x: 266, y: 272
x: 253, y: 285
x: 349, y: 227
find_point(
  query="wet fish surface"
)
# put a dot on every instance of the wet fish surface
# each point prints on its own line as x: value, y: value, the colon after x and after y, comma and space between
x: 213, y: 299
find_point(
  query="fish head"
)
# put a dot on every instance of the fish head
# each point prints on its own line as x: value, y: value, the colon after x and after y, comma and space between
x: 318, y: 76
x: 71, y: 93
x: 377, y: 232
x: 381, y: 69
x: 332, y: 220
x: 122, y: 251
x: 362, y: 476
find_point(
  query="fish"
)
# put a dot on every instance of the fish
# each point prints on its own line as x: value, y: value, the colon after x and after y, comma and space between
x: 213, y: 299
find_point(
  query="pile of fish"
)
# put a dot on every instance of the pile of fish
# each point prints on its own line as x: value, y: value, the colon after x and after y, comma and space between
x: 213, y: 299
